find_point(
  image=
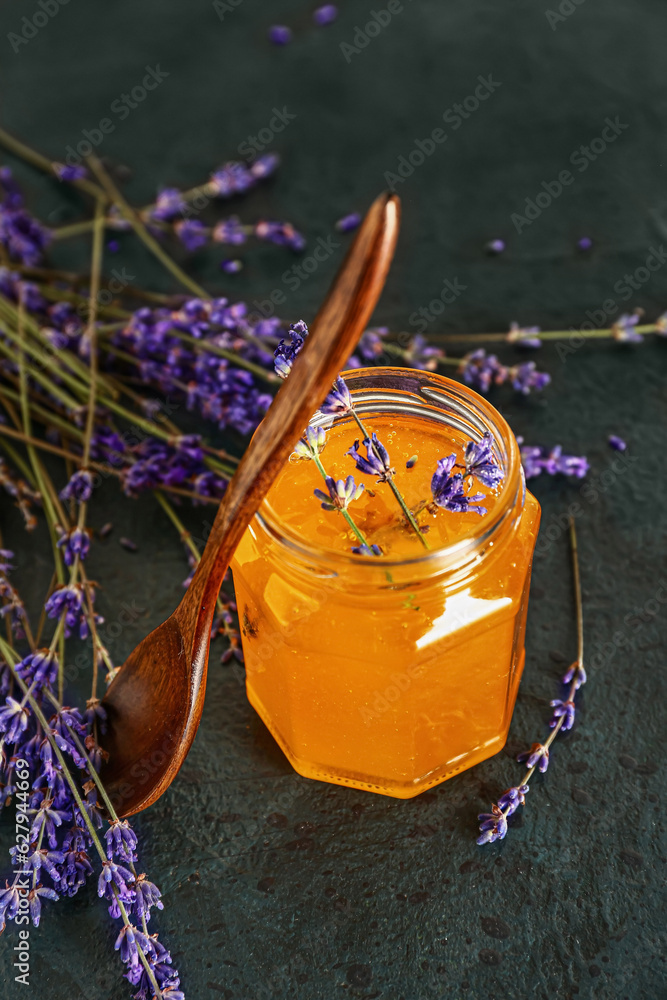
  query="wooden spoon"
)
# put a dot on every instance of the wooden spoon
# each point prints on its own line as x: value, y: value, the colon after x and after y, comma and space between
x: 155, y: 703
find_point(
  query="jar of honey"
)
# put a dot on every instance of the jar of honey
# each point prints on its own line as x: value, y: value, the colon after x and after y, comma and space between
x: 389, y: 672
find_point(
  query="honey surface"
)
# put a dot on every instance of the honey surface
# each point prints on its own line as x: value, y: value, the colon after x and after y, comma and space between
x: 376, y: 512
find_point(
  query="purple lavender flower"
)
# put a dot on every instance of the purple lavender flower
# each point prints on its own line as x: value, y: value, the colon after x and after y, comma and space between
x: 192, y: 233
x: 229, y: 231
x: 127, y: 941
x: 448, y: 491
x: 537, y: 752
x: 121, y: 841
x: 511, y: 799
x: 232, y: 178
x: 524, y: 336
x: 264, y: 165
x: 118, y: 876
x: 35, y: 897
x: 47, y: 819
x: 339, y: 401
x: 376, y: 462
x: 13, y: 719
x: 411, y: 462
x: 67, y: 600
x: 280, y: 34
x: 10, y: 900
x: 525, y: 378
x: 285, y: 354
x: 480, y: 461
x: 10, y: 192
x: 495, y: 247
x: 168, y: 204
x: 67, y: 172
x: 623, y: 330
x: 493, y: 826
x: 232, y: 266
x: 312, y: 443
x: 420, y: 355
x: 564, y: 709
x: 575, y: 670
x: 367, y: 550
x: 113, y: 246
x: 584, y: 243
x: 79, y: 488
x: 536, y: 460
x: 283, y: 234
x: 39, y: 669
x: 74, y: 544
x: 481, y: 371
x: 348, y: 222
x: 341, y: 493
x: 617, y: 443
x: 326, y: 14
x: 147, y: 896
x: 22, y: 236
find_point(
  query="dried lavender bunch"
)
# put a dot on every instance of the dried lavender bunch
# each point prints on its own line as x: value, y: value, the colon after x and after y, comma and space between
x: 493, y: 825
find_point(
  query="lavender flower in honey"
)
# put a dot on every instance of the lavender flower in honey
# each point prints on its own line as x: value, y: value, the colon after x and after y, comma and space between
x: 312, y: 443
x: 480, y: 461
x: 341, y: 493
x: 449, y: 492
x: 339, y: 400
x: 376, y: 462
x: 367, y: 550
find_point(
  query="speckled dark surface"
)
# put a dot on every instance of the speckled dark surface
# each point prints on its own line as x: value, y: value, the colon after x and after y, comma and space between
x: 276, y: 886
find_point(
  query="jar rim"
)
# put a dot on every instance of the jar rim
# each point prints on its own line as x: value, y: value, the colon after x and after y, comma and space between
x: 427, y: 389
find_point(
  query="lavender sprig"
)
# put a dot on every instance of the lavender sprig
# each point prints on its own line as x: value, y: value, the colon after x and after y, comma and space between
x: 493, y: 825
x: 339, y: 493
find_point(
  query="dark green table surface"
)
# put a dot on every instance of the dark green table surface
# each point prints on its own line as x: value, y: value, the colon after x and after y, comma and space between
x: 276, y: 886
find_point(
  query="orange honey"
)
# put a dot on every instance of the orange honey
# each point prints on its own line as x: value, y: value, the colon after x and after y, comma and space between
x: 389, y: 673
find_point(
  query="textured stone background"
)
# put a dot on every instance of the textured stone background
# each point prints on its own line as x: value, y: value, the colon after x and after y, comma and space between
x: 276, y: 886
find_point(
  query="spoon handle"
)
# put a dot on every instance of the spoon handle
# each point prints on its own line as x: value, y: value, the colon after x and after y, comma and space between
x: 333, y: 336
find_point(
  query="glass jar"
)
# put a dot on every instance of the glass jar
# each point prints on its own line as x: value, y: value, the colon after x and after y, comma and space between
x: 392, y: 676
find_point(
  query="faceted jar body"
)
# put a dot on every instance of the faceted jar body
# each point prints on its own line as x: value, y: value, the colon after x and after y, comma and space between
x: 392, y: 676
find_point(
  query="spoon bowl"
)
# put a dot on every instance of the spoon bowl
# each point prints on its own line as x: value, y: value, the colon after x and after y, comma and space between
x: 155, y: 702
